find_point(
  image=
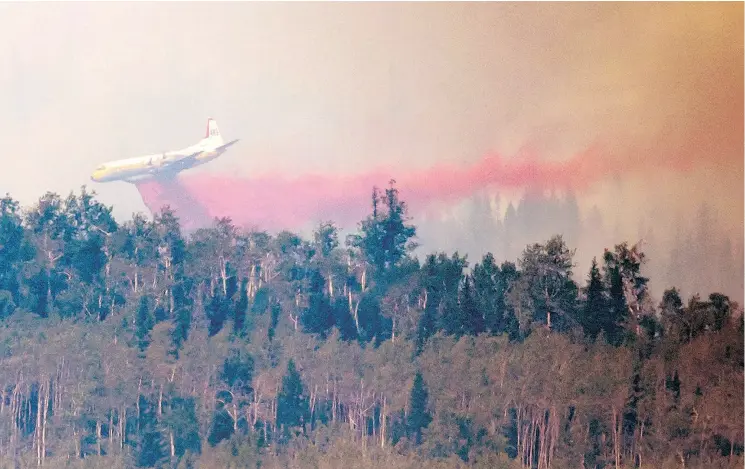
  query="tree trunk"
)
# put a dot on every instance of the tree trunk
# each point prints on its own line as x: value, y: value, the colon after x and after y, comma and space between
x: 393, y: 330
x: 44, y: 426
x: 77, y: 442
x: 518, y: 428
x: 616, y: 455
x: 122, y: 427
x: 313, y: 399
x: 382, y: 424
x: 37, y: 433
x: 139, y: 387
x: 353, y: 311
x: 98, y: 436
x: 111, y: 431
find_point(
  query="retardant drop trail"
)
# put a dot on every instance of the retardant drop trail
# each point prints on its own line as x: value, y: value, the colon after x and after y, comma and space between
x: 275, y: 202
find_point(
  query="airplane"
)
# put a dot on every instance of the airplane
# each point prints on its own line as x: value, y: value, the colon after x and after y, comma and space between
x: 165, y: 164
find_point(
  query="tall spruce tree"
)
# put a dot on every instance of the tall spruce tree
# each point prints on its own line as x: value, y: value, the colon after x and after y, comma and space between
x: 489, y: 289
x: 216, y: 310
x: 144, y: 324
x: 318, y: 317
x: 385, y: 237
x: 292, y: 404
x: 419, y: 417
x: 183, y: 317
x: 241, y: 308
x: 594, y: 314
x: 471, y: 319
x: 151, y: 448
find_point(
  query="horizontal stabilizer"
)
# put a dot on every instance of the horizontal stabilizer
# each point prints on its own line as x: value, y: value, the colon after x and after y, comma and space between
x: 227, y: 144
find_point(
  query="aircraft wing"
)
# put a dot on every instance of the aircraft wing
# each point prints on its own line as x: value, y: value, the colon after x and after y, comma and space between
x: 223, y: 147
x: 178, y: 164
x: 185, y: 159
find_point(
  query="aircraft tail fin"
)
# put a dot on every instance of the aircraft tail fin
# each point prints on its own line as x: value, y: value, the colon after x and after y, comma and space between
x: 213, y: 132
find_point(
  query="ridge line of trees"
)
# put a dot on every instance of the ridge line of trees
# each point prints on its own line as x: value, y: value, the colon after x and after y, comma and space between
x: 134, y: 345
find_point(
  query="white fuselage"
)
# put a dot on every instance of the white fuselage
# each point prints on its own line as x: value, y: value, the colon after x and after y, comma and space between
x: 149, y: 166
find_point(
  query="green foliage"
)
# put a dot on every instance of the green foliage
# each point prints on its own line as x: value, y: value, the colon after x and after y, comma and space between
x: 261, y: 301
x: 490, y: 285
x: 594, y: 315
x: 419, y: 417
x: 546, y: 270
x: 237, y: 371
x: 222, y: 427
x: 241, y: 308
x: 440, y: 278
x: 181, y: 420
x: 318, y: 317
x: 385, y: 237
x: 144, y: 323
x: 76, y: 288
x: 292, y: 403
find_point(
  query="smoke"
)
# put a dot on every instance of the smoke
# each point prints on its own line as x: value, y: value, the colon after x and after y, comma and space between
x: 274, y: 201
x: 157, y: 194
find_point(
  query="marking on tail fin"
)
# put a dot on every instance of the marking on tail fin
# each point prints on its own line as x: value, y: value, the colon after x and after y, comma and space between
x: 212, y: 130
x: 207, y: 132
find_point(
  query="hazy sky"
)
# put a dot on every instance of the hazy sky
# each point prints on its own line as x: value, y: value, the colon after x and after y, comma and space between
x: 345, y: 87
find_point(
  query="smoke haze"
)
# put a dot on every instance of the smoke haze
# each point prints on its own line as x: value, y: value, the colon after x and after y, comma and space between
x: 633, y: 109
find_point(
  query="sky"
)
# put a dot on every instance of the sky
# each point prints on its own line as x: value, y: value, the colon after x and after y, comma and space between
x: 653, y: 91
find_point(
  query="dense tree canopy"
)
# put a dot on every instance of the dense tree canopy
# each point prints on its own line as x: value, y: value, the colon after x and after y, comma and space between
x: 135, y: 344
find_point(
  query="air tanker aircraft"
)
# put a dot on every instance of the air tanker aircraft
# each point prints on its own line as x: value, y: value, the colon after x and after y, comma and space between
x: 165, y: 164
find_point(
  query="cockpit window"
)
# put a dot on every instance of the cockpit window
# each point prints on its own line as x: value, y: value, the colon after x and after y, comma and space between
x: 102, y: 167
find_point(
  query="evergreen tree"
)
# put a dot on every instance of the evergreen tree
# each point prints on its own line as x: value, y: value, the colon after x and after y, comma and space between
x: 385, y: 237
x: 470, y: 320
x: 181, y: 419
x: 427, y: 326
x: 372, y: 323
x: 617, y: 300
x: 343, y: 320
x: 260, y: 302
x: 292, y: 404
x: 547, y: 271
x: 326, y: 238
x: 144, y: 324
x: 183, y: 317
x: 318, y: 317
x: 15, y: 251
x: 241, y: 308
x: 216, y: 311
x: 419, y: 417
x: 671, y: 309
x: 594, y: 315
x: 440, y: 279
x: 151, y: 448
x: 721, y: 306
x: 222, y: 426
x: 237, y: 371
x: 510, y: 277
x: 489, y: 289
x: 276, y: 309
x: 627, y: 289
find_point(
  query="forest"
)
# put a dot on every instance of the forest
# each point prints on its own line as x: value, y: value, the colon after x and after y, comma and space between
x: 135, y: 344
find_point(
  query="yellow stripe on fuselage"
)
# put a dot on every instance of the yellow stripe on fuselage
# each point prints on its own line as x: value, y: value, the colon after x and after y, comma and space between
x: 121, y: 170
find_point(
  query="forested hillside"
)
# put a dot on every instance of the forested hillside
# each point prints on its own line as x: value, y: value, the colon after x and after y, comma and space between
x: 136, y: 345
